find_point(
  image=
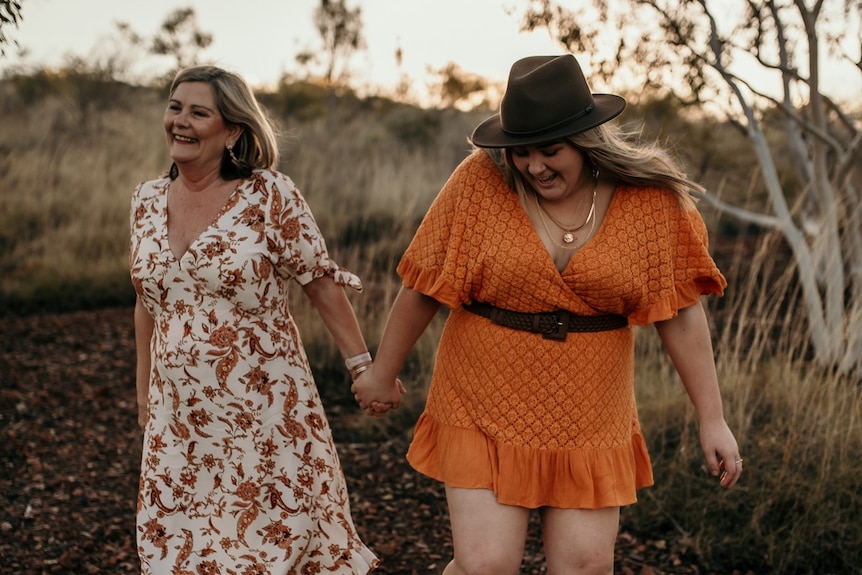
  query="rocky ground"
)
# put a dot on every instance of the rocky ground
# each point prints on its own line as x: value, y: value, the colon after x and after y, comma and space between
x: 70, y: 449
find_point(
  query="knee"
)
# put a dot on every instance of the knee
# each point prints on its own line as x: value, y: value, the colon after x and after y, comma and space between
x: 484, y: 564
x: 598, y: 566
x: 592, y: 564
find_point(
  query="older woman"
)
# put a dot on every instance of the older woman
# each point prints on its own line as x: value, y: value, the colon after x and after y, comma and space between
x: 239, y: 471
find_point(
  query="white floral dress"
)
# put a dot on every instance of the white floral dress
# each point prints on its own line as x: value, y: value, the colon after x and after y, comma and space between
x: 239, y: 473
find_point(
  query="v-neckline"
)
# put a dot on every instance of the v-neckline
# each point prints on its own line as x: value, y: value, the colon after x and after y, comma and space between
x: 228, y: 201
x: 541, y: 245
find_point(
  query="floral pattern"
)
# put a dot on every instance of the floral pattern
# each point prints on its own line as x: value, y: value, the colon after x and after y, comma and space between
x: 239, y: 474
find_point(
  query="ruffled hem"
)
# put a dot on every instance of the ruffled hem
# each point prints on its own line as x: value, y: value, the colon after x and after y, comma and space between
x: 428, y: 282
x: 683, y: 296
x: 573, y: 479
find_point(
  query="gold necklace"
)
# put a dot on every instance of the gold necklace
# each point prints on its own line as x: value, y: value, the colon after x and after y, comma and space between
x: 568, y: 238
x: 574, y: 228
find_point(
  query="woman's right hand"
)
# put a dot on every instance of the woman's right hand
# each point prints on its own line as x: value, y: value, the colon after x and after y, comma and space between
x: 377, y: 395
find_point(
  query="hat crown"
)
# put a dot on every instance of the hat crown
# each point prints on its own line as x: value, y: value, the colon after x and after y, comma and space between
x: 544, y: 93
x: 547, y: 98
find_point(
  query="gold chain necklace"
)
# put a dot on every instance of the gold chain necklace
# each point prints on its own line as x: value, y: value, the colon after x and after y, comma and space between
x: 568, y: 237
x: 574, y: 228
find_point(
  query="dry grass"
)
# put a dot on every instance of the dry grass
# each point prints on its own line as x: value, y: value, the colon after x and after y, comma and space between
x: 67, y: 178
x: 797, y: 508
x: 64, y: 210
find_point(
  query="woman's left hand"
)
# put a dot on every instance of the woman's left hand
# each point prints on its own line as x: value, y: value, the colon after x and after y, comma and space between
x: 721, y: 451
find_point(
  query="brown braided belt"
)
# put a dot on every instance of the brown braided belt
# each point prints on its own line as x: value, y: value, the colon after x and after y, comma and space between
x: 552, y: 325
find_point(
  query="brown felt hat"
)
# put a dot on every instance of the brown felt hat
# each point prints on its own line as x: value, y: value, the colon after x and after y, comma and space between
x: 547, y: 98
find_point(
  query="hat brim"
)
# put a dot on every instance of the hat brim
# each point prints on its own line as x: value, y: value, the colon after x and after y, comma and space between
x: 490, y: 133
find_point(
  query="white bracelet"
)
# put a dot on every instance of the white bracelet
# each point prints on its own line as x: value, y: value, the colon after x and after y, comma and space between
x: 352, y: 362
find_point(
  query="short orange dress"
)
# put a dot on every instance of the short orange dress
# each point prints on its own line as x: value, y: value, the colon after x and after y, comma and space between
x: 543, y: 422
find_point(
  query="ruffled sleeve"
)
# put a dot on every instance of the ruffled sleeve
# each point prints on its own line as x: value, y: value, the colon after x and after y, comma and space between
x: 675, y: 265
x: 442, y: 261
x: 294, y: 241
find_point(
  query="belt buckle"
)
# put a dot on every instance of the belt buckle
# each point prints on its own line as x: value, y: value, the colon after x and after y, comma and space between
x: 561, y: 329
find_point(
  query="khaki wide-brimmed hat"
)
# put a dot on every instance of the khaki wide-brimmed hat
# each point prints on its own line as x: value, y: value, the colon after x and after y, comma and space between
x: 547, y: 98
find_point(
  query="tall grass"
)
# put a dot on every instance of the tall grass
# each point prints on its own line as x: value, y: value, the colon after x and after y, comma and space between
x: 369, y: 171
x: 65, y: 201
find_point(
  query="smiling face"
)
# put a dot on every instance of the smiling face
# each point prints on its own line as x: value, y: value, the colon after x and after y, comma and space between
x: 195, y: 131
x: 555, y: 170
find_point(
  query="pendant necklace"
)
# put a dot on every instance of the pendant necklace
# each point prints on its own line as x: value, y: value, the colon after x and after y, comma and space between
x: 568, y: 231
x: 568, y: 237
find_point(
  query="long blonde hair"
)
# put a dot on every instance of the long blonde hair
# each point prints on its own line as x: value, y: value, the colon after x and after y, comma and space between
x: 624, y: 155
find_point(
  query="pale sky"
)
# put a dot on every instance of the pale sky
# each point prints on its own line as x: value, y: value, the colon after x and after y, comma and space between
x: 260, y: 38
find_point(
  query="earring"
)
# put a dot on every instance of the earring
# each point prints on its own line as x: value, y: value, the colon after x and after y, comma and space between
x: 231, y: 154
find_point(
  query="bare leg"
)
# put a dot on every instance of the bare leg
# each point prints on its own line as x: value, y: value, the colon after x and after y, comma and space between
x: 488, y: 537
x: 580, y: 541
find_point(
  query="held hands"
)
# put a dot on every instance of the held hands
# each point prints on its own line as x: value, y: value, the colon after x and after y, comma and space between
x: 721, y: 451
x: 376, y: 395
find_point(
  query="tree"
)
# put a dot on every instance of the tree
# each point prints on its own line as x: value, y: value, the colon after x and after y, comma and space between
x: 340, y: 28
x: 181, y: 38
x: 722, y: 52
x: 10, y: 14
x: 455, y: 86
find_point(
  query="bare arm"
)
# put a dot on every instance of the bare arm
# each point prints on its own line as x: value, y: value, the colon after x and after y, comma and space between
x: 334, y: 308
x: 409, y: 317
x: 144, y: 325
x: 687, y: 341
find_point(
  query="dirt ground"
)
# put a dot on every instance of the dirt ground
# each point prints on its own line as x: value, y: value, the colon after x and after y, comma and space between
x: 69, y: 458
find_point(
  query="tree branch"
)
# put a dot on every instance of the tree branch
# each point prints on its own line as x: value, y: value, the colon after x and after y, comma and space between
x: 762, y: 220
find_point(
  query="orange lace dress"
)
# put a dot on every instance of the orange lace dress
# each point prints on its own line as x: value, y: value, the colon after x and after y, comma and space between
x: 239, y: 472
x: 543, y: 422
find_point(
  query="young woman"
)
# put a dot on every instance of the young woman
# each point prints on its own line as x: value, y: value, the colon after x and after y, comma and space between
x: 547, y: 243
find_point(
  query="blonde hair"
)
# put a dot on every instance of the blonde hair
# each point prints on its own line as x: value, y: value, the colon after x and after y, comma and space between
x: 257, y: 147
x: 623, y: 155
